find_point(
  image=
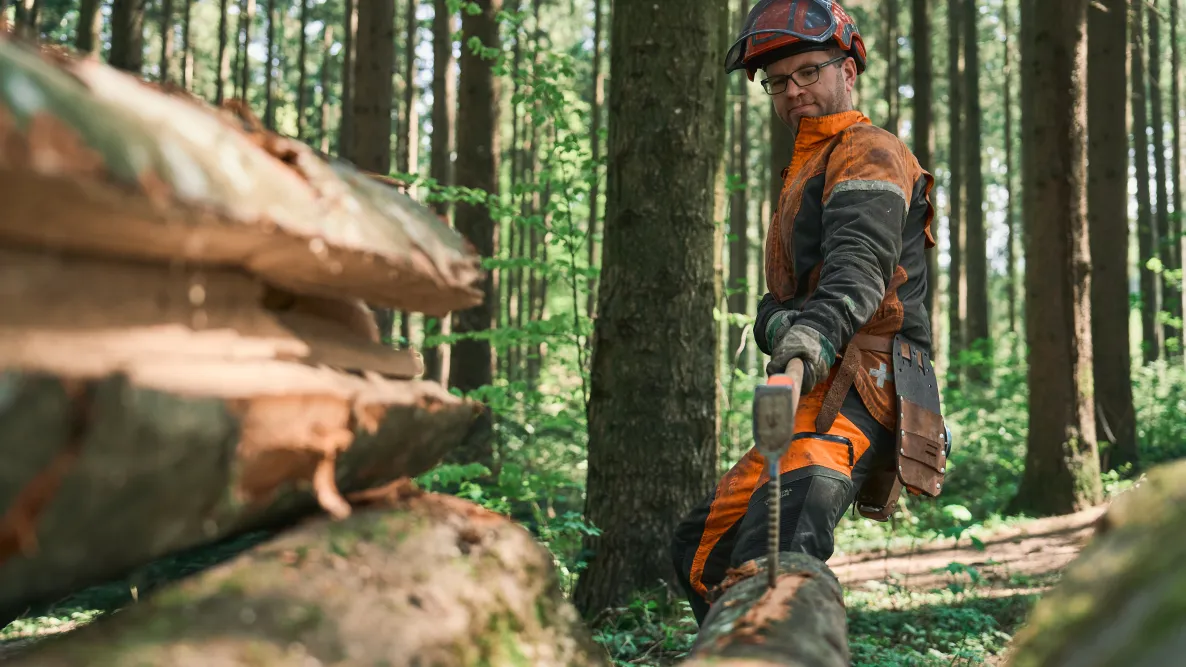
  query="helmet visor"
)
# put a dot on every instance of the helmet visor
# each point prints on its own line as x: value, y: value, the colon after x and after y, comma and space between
x: 774, y: 23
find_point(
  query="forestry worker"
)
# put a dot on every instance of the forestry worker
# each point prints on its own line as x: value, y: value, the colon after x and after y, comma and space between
x: 846, y: 280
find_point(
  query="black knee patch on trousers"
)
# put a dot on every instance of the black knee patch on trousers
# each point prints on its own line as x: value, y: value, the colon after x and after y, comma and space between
x: 813, y: 501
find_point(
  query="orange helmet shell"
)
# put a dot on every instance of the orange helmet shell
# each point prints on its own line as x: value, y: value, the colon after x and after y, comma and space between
x: 775, y: 27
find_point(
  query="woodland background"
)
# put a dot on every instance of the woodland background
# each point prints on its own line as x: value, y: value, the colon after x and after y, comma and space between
x: 622, y: 213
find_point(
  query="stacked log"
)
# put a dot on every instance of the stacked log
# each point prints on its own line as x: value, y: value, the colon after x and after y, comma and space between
x: 186, y: 352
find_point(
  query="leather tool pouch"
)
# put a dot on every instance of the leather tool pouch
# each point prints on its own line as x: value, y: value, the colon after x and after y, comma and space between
x: 922, y: 434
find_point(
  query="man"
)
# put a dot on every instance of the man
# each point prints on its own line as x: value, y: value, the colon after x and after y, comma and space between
x: 846, y: 273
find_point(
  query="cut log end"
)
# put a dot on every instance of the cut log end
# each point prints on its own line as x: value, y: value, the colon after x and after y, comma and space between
x: 429, y: 580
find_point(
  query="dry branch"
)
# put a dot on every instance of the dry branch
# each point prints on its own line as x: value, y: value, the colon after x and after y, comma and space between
x: 433, y: 581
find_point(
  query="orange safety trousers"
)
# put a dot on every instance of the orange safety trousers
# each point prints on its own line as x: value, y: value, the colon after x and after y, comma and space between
x: 820, y: 475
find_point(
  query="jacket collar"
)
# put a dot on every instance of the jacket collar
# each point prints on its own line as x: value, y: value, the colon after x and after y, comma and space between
x: 815, y: 130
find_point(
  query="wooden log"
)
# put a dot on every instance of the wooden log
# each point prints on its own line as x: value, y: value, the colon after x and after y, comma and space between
x: 94, y: 161
x: 801, y: 622
x: 1121, y: 601
x: 104, y: 475
x: 432, y: 580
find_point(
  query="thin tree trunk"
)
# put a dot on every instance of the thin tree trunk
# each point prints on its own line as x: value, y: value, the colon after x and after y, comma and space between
x: 976, y: 247
x: 87, y: 39
x: 409, y: 138
x: 892, y: 63
x: 956, y: 286
x: 1175, y: 230
x: 646, y: 242
x: 738, y: 298
x: 472, y: 365
x: 187, y: 54
x: 127, y: 35
x: 224, y: 61
x: 1153, y: 341
x: 245, y: 71
x: 302, y: 76
x: 346, y: 124
x: 920, y: 44
x: 327, y: 43
x: 239, y: 49
x: 269, y: 69
x: 1107, y: 208
x: 166, y: 39
x: 1165, y: 249
x: 444, y: 109
x: 1010, y: 220
x: 1061, y: 464
x: 511, y: 278
x: 595, y: 151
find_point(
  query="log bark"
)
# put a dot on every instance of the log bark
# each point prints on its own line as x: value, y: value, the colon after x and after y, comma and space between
x: 165, y: 407
x: 1119, y: 602
x: 426, y: 580
x: 122, y: 474
x: 262, y: 202
x: 799, y: 623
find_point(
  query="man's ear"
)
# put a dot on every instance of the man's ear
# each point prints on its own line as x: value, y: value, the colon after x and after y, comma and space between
x: 850, y: 73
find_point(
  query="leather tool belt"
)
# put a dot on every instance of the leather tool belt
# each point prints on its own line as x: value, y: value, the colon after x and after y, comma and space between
x: 921, y: 437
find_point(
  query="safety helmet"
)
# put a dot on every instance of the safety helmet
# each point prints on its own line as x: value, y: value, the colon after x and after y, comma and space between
x: 776, y: 29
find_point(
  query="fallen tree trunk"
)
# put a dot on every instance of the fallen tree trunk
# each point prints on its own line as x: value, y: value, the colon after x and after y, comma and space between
x: 1123, y: 600
x: 432, y: 580
x: 102, y: 476
x: 94, y: 161
x: 801, y: 622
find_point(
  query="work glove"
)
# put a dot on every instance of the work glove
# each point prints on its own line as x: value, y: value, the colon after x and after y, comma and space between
x: 803, y: 342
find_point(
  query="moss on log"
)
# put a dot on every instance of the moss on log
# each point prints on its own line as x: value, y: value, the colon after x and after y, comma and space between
x: 101, y: 476
x: 427, y: 580
x: 1123, y: 600
x: 799, y: 623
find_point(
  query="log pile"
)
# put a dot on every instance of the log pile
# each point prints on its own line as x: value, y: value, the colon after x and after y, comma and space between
x: 425, y: 580
x: 186, y: 352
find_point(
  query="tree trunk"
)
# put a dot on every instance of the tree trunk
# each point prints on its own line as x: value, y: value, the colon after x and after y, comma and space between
x: 245, y: 66
x: 187, y: 54
x: 127, y: 35
x: 664, y: 146
x: 1062, y: 463
x: 224, y: 55
x: 738, y: 291
x: 270, y: 68
x: 1153, y: 340
x: 89, y: 19
x: 892, y: 64
x: 406, y: 582
x: 1010, y: 218
x: 302, y: 76
x: 1166, y: 245
x: 595, y: 151
x: 166, y: 39
x: 956, y: 286
x: 1175, y: 229
x: 444, y: 111
x: 800, y: 623
x: 1107, y: 207
x: 373, y: 103
x: 1118, y: 602
x: 472, y: 363
x: 346, y: 124
x: 409, y: 136
x: 327, y: 43
x: 976, y: 244
x: 922, y: 131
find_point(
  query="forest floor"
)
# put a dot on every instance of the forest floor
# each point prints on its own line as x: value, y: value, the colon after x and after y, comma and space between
x: 943, y: 602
